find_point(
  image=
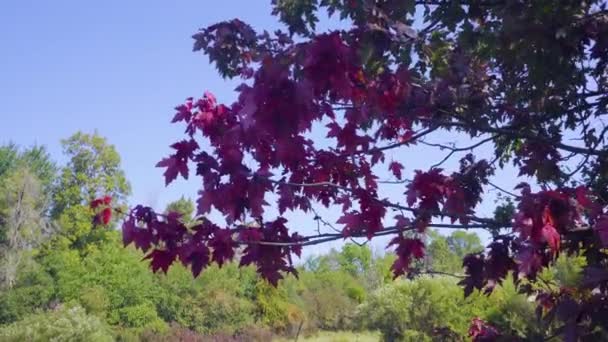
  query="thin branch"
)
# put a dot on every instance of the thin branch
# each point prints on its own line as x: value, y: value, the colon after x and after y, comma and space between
x: 443, y: 160
x: 327, y: 237
x: 460, y: 149
x: 431, y: 272
x: 387, y: 203
x: 409, y: 141
x: 405, y: 181
x: 512, y: 132
x: 503, y: 190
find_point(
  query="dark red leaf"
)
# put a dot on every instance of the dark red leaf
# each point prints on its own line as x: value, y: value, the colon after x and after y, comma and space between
x: 160, y: 260
x: 396, y: 169
x: 106, y: 215
x: 552, y: 237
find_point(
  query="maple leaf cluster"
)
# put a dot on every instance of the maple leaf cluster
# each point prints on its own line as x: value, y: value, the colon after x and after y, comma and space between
x: 166, y: 239
x: 541, y: 220
x: 380, y: 86
x: 102, y: 207
x: 290, y: 91
x: 481, y: 331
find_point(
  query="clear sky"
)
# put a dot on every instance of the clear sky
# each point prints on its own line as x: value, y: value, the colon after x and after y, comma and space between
x: 118, y: 67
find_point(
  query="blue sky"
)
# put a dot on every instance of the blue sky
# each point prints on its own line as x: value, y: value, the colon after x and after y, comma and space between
x: 119, y: 67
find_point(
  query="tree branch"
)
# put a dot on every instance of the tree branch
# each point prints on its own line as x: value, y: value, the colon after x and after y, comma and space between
x: 509, y: 131
x: 389, y: 204
x: 327, y: 237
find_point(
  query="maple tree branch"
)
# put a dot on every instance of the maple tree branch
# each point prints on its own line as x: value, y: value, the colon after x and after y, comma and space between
x: 436, y: 165
x: 318, y: 218
x: 323, y: 238
x: 509, y: 131
x: 503, y: 190
x: 411, y: 140
x: 431, y: 272
x: 327, y: 237
x: 395, y: 182
x: 454, y: 149
x: 460, y: 149
x: 387, y: 203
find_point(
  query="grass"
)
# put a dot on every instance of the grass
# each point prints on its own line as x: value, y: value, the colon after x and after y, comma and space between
x: 339, y: 336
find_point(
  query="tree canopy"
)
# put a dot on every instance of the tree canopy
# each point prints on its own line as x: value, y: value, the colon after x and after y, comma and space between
x: 526, y: 78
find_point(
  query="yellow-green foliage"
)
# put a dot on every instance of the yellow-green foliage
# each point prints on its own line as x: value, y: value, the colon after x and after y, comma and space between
x: 69, y: 324
x: 422, y: 306
x: 337, y: 336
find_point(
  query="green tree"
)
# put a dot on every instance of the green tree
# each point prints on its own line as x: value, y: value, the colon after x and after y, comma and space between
x: 355, y: 259
x: 9, y: 154
x: 93, y: 170
x: 22, y: 221
x: 184, y: 206
x: 107, y: 280
x: 33, y: 290
x: 36, y: 159
x: 445, y: 254
x: 462, y: 243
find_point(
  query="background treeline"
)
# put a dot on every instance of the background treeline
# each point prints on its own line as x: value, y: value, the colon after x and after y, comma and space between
x: 62, y: 278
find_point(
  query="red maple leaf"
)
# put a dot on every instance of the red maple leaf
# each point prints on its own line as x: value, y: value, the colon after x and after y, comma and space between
x: 177, y: 163
x: 160, y: 260
x: 396, y: 169
x: 222, y: 246
x: 474, y: 265
x: 552, y: 237
x: 194, y: 254
x: 406, y: 250
x: 352, y: 223
x: 106, y: 215
x: 402, y: 222
x: 480, y: 331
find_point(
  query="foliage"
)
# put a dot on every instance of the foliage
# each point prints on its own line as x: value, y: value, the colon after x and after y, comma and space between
x: 330, y: 298
x: 93, y: 170
x: 32, y: 292
x: 68, y: 324
x: 23, y: 224
x: 343, y: 336
x: 184, y: 207
x: 428, y: 306
x: 445, y: 254
x: 108, y: 279
x: 514, y: 313
x: 36, y: 159
x: 520, y: 77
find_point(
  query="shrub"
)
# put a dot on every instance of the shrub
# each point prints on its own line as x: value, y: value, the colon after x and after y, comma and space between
x: 424, y: 306
x: 141, y: 316
x: 94, y: 300
x: 70, y: 324
x: 33, y: 291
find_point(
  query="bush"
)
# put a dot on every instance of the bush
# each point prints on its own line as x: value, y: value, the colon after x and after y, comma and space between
x: 95, y: 300
x: 70, y: 324
x: 329, y: 299
x: 513, y: 313
x: 178, y: 333
x: 33, y: 291
x: 417, y: 310
x: 141, y: 316
x: 274, y: 309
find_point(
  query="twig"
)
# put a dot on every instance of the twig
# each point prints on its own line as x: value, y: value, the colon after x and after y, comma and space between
x: 503, y: 190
